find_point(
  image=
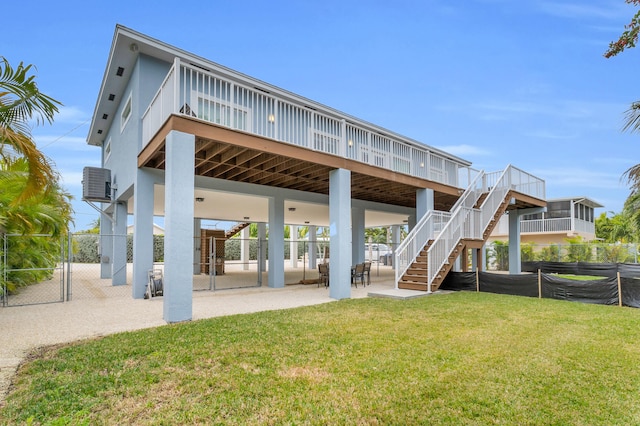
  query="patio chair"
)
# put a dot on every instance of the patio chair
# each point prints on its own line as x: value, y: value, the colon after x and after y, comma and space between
x: 367, y: 272
x: 323, y: 271
x: 357, y: 273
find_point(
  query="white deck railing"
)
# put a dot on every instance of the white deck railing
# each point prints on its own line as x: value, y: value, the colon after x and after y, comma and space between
x: 547, y: 225
x: 241, y: 106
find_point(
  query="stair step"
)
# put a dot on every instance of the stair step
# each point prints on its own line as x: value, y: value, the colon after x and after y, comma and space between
x: 412, y: 286
x: 415, y: 278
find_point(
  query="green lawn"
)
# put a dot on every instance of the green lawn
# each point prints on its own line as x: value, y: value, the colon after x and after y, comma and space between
x: 462, y: 358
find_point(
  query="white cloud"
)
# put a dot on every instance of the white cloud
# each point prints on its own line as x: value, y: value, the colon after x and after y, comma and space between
x: 579, y: 178
x: 463, y: 150
x: 71, y: 115
x: 71, y: 179
x: 547, y: 134
x: 581, y: 10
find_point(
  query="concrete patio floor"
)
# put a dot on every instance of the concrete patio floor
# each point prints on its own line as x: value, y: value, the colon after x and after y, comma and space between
x: 98, y: 308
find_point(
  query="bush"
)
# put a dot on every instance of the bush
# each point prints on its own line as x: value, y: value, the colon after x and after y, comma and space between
x: 86, y: 248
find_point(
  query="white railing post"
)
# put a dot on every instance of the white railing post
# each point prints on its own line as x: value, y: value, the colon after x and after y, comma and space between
x: 343, y: 138
x: 232, y: 102
x: 276, y: 118
x: 176, y: 86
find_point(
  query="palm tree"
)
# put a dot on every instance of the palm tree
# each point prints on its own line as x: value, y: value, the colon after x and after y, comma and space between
x: 20, y: 103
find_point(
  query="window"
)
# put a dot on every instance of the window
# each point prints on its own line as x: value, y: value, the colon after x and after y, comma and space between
x: 219, y: 112
x: 558, y: 209
x: 126, y: 113
x: 107, y: 150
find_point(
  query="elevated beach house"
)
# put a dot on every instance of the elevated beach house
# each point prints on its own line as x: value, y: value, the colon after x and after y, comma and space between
x: 188, y: 139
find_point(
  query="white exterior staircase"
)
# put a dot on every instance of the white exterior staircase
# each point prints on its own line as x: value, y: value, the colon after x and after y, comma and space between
x: 429, y: 251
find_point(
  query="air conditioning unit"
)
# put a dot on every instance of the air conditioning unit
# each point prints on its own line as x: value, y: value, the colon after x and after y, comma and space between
x: 96, y: 184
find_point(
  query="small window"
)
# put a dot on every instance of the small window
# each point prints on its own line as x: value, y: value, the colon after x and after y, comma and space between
x: 107, y: 150
x: 126, y: 113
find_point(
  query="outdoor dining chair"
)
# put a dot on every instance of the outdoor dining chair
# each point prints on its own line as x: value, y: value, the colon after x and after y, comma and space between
x: 357, y: 273
x: 323, y: 277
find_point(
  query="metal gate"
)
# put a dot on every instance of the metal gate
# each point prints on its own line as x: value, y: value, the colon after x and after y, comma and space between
x: 34, y: 269
x: 221, y: 268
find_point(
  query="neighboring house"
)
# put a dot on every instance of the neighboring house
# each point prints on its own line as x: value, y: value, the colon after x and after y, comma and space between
x: 564, y: 218
x: 157, y: 229
x: 188, y: 139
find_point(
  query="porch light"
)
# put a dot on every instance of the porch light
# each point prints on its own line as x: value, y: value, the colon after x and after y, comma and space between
x: 272, y: 118
x: 350, y: 142
x: 421, y: 164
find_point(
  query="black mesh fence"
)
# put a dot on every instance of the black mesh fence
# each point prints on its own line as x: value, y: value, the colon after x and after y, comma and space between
x: 623, y: 288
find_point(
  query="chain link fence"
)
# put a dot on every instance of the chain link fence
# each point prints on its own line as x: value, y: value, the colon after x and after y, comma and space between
x: 39, y: 269
x: 32, y: 269
x: 497, y: 253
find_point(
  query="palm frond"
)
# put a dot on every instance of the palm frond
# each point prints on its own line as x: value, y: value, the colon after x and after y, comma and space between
x: 632, y: 118
x: 632, y: 177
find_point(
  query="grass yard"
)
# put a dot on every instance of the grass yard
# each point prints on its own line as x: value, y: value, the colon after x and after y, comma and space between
x: 463, y: 358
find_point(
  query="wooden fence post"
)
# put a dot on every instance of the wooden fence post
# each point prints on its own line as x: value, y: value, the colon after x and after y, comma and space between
x: 539, y: 284
x: 619, y: 290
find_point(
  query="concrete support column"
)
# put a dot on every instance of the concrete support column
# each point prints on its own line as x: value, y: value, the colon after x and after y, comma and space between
x: 142, y: 232
x: 313, y: 247
x: 262, y: 244
x: 514, y: 242
x: 474, y: 259
x: 339, y: 233
x: 411, y: 222
x: 197, y: 246
x: 245, y: 248
x: 276, y: 242
x: 357, y: 234
x: 293, y: 245
x: 395, y: 242
x: 119, y: 265
x: 105, y: 248
x: 178, y: 245
x: 424, y: 202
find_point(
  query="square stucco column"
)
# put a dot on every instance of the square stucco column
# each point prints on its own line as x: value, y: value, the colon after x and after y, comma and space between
x: 514, y: 242
x: 197, y: 249
x: 276, y: 242
x: 424, y: 202
x: 395, y: 243
x: 119, y: 265
x: 340, y: 234
x: 357, y: 234
x: 293, y: 245
x: 313, y: 247
x: 178, y: 244
x: 142, y: 232
x: 262, y: 252
x: 105, y: 248
x: 245, y: 248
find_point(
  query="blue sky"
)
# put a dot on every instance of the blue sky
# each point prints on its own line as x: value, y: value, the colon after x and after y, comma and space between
x: 495, y: 82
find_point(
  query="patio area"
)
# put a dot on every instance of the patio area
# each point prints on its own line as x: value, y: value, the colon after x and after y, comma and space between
x: 97, y: 308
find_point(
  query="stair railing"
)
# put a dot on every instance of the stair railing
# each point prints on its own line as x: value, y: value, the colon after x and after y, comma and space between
x: 430, y: 226
x: 464, y: 223
x: 467, y: 222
